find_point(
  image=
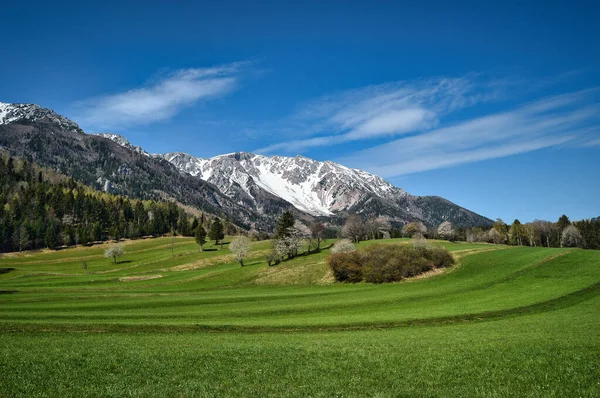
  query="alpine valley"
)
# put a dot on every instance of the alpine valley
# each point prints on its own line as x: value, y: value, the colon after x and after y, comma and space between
x: 252, y: 190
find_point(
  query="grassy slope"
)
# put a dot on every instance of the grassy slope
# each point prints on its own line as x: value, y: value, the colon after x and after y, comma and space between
x: 507, y: 321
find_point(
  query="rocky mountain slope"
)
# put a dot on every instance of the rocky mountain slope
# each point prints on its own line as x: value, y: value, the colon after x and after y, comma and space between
x: 319, y: 188
x: 253, y: 190
x: 40, y: 135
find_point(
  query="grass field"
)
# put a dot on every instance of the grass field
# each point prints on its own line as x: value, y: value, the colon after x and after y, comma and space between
x: 168, y: 320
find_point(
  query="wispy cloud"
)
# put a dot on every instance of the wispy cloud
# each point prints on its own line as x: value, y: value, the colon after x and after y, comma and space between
x: 548, y: 122
x: 161, y: 98
x: 383, y: 111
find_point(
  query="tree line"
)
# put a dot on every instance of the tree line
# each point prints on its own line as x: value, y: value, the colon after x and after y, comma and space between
x: 584, y: 234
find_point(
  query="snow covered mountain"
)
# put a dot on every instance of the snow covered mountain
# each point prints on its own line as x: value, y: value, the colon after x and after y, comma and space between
x: 253, y: 190
x: 10, y: 113
x: 318, y: 188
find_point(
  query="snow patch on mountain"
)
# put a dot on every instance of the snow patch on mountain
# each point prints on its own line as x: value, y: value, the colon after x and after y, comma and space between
x: 119, y: 139
x: 318, y: 188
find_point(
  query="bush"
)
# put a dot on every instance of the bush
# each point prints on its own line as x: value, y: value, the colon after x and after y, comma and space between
x: 347, y: 266
x: 388, y: 263
x: 440, y: 257
x: 437, y: 255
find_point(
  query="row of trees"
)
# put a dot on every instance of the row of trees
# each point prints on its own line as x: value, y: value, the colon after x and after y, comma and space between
x: 562, y: 233
x: 40, y: 208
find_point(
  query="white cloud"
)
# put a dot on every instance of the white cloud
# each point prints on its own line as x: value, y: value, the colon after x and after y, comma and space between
x: 381, y: 111
x: 545, y: 123
x: 160, y: 99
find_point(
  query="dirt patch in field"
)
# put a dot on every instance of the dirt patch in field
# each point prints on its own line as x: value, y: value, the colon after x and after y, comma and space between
x: 294, y: 274
x: 203, y: 263
x: 207, y: 262
x: 458, y: 254
x: 139, y: 278
x: 328, y: 278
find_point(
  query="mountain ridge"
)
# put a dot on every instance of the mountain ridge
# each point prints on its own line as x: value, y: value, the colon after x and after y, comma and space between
x: 253, y: 189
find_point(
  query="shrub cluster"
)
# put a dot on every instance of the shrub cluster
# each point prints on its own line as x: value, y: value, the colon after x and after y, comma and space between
x: 388, y: 263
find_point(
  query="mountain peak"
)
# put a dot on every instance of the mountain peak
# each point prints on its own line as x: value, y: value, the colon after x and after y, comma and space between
x: 122, y: 141
x: 315, y: 187
x: 15, y: 113
x: 254, y: 189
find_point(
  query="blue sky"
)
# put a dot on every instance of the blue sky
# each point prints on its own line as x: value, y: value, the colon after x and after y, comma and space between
x: 495, y: 106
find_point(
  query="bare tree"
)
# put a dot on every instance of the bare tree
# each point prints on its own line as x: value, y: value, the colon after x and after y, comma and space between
x: 273, y: 257
x: 21, y: 238
x: 476, y: 234
x: 317, y: 231
x: 494, y: 236
x: 571, y: 237
x: 532, y: 233
x: 240, y: 246
x: 114, y: 252
x: 354, y: 228
x: 415, y: 227
x: 546, y: 230
x: 371, y: 228
x: 384, y: 226
x: 445, y: 230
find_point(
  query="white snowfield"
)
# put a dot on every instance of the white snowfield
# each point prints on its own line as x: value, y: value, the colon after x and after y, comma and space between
x: 318, y: 188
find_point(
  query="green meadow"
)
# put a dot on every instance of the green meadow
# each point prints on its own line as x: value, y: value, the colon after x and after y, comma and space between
x: 169, y: 320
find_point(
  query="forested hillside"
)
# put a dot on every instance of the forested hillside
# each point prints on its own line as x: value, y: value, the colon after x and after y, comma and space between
x: 105, y: 165
x: 41, y: 208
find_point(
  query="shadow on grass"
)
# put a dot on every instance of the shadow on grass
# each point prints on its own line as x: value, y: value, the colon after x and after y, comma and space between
x: 6, y: 270
x: 558, y: 303
x: 255, y: 262
x: 8, y: 291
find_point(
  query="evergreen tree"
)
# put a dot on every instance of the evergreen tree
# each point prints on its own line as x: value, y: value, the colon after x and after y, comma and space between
x: 51, y: 238
x: 216, y: 231
x: 563, y: 222
x: 10, y: 166
x: 285, y: 224
x: 200, y: 236
x: 195, y: 224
